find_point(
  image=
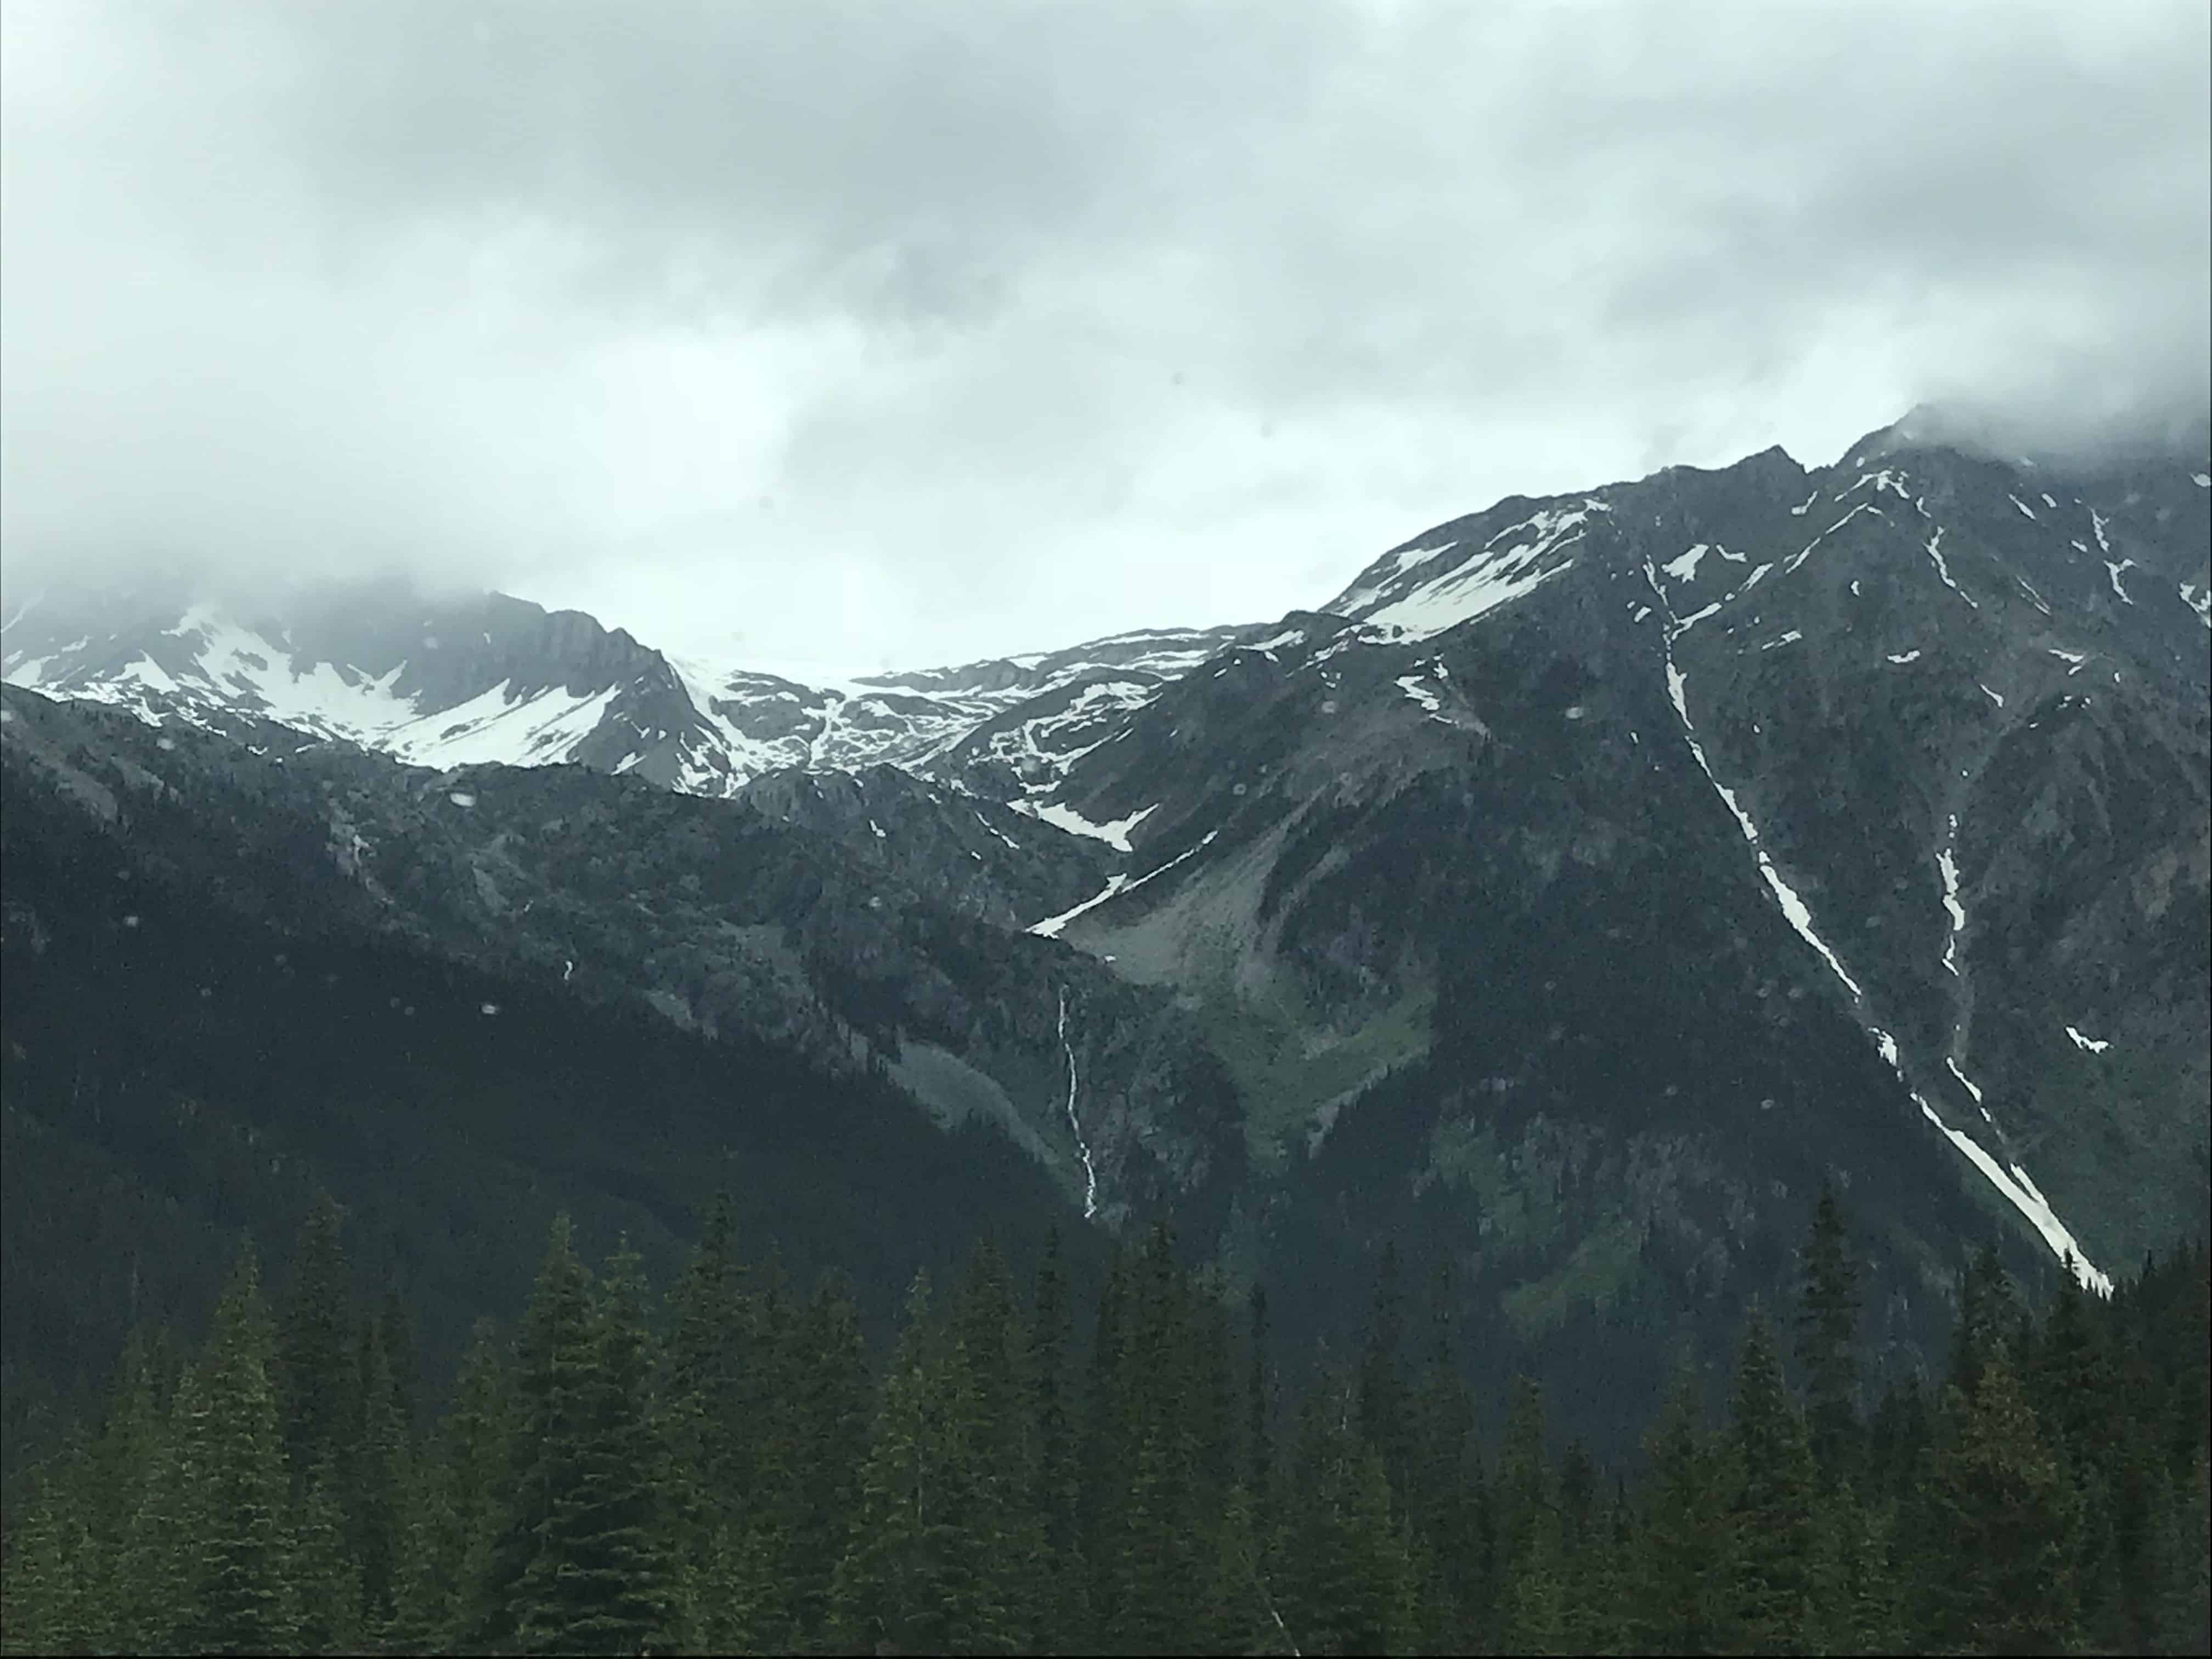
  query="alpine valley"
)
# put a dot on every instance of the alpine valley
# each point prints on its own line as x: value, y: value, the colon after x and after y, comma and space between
x: 1565, y: 902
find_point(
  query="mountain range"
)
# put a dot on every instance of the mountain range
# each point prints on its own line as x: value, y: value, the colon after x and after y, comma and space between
x: 1565, y: 900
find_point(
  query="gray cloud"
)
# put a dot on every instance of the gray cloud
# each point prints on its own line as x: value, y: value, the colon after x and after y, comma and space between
x: 857, y: 333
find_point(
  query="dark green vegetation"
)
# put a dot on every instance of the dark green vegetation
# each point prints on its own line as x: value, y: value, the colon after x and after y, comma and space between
x: 720, y: 1468
x: 201, y: 1032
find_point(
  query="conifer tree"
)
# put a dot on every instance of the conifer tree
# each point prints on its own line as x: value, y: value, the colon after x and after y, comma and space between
x: 600, y: 1579
x: 541, y: 1422
x: 240, y: 1595
x: 1986, y: 1319
x: 1827, y: 1340
x: 429, y: 1570
x: 120, y: 1467
x: 1997, y: 1526
x: 1896, y: 1438
x: 1259, y: 1409
x: 459, y: 1509
x: 1851, y: 1589
x: 826, y: 1424
x: 743, y: 1606
x: 1382, y: 1382
x: 51, y: 1605
x: 1774, y: 1501
x: 1347, y: 1583
x: 1063, y: 1609
x: 1531, y: 1547
x: 915, y: 1575
x: 375, y: 1521
x: 326, y: 1578
x: 156, y: 1571
x: 1440, y: 1499
x: 1683, y: 1571
x: 1240, y: 1615
x: 395, y: 1333
x: 318, y: 1365
x: 1150, y: 1585
x: 708, y: 1326
x: 2181, y: 1611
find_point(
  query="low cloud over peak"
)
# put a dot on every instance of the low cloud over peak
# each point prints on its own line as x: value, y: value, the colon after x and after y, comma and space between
x: 922, y: 330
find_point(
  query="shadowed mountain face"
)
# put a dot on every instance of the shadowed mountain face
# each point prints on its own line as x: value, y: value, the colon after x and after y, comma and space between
x: 1919, y: 741
x: 1567, y: 899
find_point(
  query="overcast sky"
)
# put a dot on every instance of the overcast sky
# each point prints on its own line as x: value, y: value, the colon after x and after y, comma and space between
x: 833, y: 336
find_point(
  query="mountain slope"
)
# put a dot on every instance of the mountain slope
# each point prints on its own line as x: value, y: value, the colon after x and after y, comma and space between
x: 210, y: 1017
x: 1810, y: 675
x: 1568, y: 899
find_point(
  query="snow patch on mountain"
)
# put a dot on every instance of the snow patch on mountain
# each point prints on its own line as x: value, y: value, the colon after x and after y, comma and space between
x: 1404, y: 602
x: 1114, y: 833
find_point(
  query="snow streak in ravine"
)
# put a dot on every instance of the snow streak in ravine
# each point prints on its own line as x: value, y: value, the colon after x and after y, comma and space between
x: 2013, y: 1183
x: 1074, y: 1124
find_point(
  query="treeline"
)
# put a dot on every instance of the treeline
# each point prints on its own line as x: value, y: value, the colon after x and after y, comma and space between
x: 721, y: 1469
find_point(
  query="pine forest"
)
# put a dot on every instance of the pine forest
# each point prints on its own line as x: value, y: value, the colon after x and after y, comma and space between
x: 722, y: 1466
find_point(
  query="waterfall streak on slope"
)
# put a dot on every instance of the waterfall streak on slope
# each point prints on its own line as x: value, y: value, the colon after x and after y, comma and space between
x: 1074, y: 1125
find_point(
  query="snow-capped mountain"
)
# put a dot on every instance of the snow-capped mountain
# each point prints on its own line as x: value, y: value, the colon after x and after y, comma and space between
x: 439, y: 684
x: 488, y: 678
x: 1005, y: 727
x: 1584, y: 885
x: 1920, y: 740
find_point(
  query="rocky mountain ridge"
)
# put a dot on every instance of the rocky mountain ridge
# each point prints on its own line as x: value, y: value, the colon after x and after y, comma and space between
x: 1573, y: 895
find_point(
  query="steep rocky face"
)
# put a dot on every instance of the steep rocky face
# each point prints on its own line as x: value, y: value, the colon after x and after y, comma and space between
x: 1934, y: 773
x: 967, y: 855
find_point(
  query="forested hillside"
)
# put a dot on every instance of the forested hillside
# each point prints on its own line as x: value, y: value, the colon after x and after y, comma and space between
x: 723, y: 1465
x: 184, y: 1060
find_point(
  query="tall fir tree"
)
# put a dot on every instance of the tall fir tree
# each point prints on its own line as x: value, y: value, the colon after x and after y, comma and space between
x: 456, y: 1504
x: 375, y: 1522
x: 1063, y: 1610
x: 601, y: 1579
x: 1531, y: 1542
x: 325, y: 1575
x: 1382, y: 1412
x: 1997, y: 1526
x: 1682, y: 1572
x: 1774, y: 1501
x: 914, y: 1576
x: 240, y: 1597
x: 1347, y: 1582
x: 1827, y: 1341
x: 1987, y: 1319
x: 318, y: 1366
x: 51, y: 1603
x: 826, y: 1423
x: 1259, y: 1408
x: 541, y: 1423
x: 2181, y: 1606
